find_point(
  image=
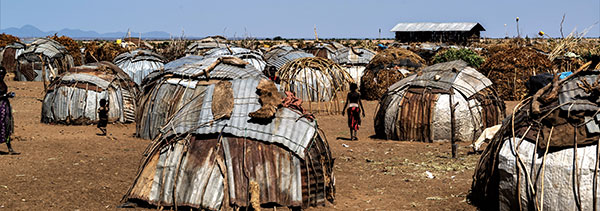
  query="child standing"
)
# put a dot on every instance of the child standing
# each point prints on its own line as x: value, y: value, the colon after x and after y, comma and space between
x: 352, y: 108
x: 103, y: 117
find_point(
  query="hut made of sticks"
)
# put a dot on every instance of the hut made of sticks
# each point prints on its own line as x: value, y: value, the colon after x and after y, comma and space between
x: 418, y: 107
x: 353, y: 60
x: 139, y: 63
x: 509, y: 69
x: 214, y: 154
x: 545, y: 155
x: 255, y: 58
x: 387, y: 68
x: 74, y: 96
x: 164, y: 92
x: 43, y: 60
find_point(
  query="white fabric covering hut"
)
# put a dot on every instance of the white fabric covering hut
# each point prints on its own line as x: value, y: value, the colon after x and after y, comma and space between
x: 255, y: 58
x: 353, y: 60
x: 417, y: 108
x: 545, y: 155
x: 168, y: 90
x: 73, y: 97
x: 43, y: 54
x: 139, y: 63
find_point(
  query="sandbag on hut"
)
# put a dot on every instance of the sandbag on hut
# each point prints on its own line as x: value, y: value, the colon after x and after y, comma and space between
x: 354, y: 61
x: 201, y: 46
x: 42, y: 60
x: 74, y: 96
x: 164, y: 92
x: 9, y: 54
x: 255, y: 58
x: 510, y: 68
x: 325, y: 50
x: 545, y: 156
x: 387, y: 68
x: 417, y: 108
x: 139, y: 63
x: 315, y: 79
x: 214, y: 154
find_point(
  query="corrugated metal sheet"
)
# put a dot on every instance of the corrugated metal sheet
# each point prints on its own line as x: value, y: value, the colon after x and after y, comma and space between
x: 277, y: 51
x: 358, y: 56
x: 428, y: 26
x: 56, y: 60
x: 253, y: 57
x: 573, y: 98
x: 182, y: 61
x: 287, y: 128
x: 221, y: 71
x: 139, y: 63
x: 199, y: 47
x: 287, y: 57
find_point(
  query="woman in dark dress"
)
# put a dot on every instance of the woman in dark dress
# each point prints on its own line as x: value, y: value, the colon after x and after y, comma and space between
x: 352, y: 108
x: 6, y: 118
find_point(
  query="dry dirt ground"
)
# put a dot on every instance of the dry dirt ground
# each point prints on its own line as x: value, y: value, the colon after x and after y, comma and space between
x: 69, y: 167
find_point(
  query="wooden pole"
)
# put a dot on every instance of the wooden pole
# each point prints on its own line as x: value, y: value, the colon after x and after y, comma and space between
x: 452, y: 124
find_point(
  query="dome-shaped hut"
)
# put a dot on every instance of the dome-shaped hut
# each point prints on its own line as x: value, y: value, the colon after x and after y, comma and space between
x: 417, y: 108
x: 545, y: 155
x: 9, y: 55
x: 255, y: 58
x: 213, y: 154
x: 325, y: 50
x: 277, y: 51
x: 353, y: 60
x: 165, y: 91
x: 74, y: 96
x: 387, y: 68
x: 43, y: 58
x: 201, y: 46
x: 139, y: 63
x: 279, y: 57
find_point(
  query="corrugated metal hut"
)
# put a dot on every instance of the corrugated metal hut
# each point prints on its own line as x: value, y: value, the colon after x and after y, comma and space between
x: 9, y: 55
x: 139, y: 63
x: 353, y: 60
x: 417, y: 108
x: 278, y: 57
x: 459, y: 32
x: 199, y: 47
x: 212, y: 155
x: 277, y: 51
x: 325, y: 50
x: 255, y: 58
x: 164, y: 92
x: 387, y: 68
x: 74, y: 96
x: 44, y: 57
x: 545, y: 155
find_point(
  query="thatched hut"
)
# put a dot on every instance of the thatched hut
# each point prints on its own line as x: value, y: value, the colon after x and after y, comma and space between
x: 43, y: 60
x: 201, y: 46
x: 9, y: 54
x: 510, y: 68
x: 214, y: 154
x: 417, y: 108
x: 354, y: 61
x: 255, y: 58
x: 139, y: 63
x: 315, y: 79
x: 164, y: 92
x: 74, y: 96
x: 545, y: 155
x: 387, y: 68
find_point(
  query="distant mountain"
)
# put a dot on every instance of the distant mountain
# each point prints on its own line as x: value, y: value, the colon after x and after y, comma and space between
x: 32, y: 31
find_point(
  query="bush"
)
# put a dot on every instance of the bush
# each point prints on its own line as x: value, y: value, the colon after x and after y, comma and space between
x: 464, y: 54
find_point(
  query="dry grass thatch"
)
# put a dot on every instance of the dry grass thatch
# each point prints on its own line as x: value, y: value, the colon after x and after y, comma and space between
x: 510, y: 68
x: 71, y: 45
x: 6, y: 39
x: 383, y: 71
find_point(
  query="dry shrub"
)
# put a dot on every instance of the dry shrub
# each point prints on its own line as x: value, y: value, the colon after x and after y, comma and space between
x: 510, y: 68
x: 71, y: 45
x: 173, y: 49
x: 6, y: 39
x: 107, y: 51
x: 382, y: 71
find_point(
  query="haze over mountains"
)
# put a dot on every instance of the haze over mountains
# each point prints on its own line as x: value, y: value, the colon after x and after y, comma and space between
x: 32, y: 31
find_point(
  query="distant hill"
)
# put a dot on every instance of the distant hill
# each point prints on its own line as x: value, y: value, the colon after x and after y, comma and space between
x: 32, y: 31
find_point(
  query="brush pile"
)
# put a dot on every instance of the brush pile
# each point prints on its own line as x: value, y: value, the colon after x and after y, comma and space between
x: 107, y: 51
x: 71, y: 45
x: 510, y: 68
x: 6, y: 39
x: 386, y: 69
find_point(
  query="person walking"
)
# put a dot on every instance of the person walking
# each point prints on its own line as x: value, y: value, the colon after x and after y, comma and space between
x: 6, y: 118
x: 354, y: 108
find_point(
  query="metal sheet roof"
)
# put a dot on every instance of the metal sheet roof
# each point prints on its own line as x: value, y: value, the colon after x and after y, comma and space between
x: 428, y: 26
x: 182, y: 61
x: 287, y: 57
x: 221, y: 71
x: 45, y: 46
x: 358, y: 56
x: 139, y: 63
x: 287, y: 128
x: 573, y: 98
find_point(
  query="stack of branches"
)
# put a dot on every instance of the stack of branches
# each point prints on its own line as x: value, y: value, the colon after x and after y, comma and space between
x: 510, y: 68
x: 174, y: 49
x: 6, y: 39
x: 107, y: 51
x: 385, y: 70
x: 71, y: 45
x: 561, y: 49
x: 324, y: 80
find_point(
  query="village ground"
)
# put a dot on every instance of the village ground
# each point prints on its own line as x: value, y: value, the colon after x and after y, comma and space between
x: 71, y: 168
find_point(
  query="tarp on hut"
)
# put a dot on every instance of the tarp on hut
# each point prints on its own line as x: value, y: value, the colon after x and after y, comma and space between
x: 139, y: 63
x: 74, y: 96
x: 417, y: 108
x: 43, y: 54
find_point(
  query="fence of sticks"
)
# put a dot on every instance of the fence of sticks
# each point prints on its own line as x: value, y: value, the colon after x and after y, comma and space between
x: 320, y: 81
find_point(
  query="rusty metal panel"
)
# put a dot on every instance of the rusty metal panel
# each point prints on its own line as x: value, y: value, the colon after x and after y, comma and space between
x: 139, y: 63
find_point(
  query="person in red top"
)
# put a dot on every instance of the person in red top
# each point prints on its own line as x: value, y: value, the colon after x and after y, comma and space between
x: 352, y: 108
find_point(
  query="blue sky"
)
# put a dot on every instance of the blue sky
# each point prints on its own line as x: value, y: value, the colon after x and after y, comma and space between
x: 293, y: 19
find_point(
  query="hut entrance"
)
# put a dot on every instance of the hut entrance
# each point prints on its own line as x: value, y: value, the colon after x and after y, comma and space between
x: 414, y: 122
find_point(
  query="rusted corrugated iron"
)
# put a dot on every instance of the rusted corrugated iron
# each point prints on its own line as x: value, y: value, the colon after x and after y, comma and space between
x: 201, y: 162
x: 73, y: 97
x: 46, y: 55
x: 139, y: 63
